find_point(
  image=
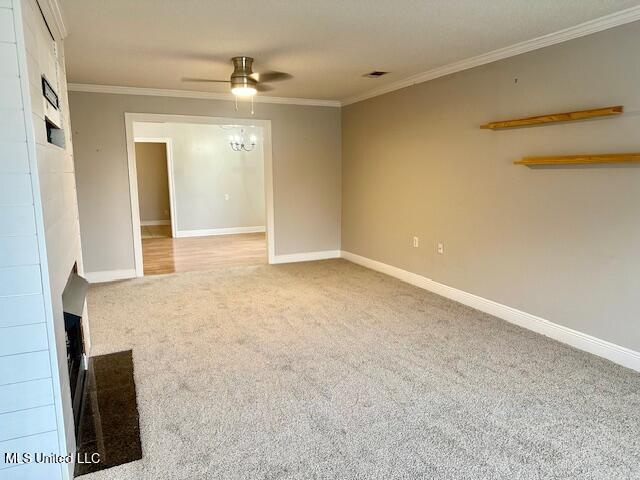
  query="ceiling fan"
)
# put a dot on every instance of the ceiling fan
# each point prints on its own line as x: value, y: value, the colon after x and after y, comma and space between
x: 244, y: 81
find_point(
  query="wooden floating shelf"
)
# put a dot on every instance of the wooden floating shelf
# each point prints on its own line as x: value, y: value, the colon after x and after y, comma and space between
x: 555, y: 117
x: 581, y: 159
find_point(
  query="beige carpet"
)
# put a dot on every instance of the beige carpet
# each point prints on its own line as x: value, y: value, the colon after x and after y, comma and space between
x: 326, y: 370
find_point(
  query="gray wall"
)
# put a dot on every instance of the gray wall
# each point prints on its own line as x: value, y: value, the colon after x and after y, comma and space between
x: 153, y: 181
x: 215, y: 187
x: 306, y: 169
x: 560, y: 243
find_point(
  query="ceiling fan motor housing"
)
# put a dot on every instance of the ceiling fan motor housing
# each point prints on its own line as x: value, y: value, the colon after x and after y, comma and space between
x: 242, y: 73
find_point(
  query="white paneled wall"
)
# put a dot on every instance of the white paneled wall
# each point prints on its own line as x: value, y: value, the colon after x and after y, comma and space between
x: 39, y: 244
x: 57, y: 190
x: 26, y: 383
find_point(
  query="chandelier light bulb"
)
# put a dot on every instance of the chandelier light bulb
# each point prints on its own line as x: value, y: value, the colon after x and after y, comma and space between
x: 238, y: 143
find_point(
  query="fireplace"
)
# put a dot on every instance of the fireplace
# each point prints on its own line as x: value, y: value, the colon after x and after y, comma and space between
x: 73, y: 299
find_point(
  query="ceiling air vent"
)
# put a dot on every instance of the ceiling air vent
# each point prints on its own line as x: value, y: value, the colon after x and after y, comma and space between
x: 375, y: 74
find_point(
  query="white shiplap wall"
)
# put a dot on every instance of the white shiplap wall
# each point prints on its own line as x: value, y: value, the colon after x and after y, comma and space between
x: 39, y: 244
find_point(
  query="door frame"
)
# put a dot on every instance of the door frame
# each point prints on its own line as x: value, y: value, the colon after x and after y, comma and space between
x: 172, y: 196
x: 131, y: 118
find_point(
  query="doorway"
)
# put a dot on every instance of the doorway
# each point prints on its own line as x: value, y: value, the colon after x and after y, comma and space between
x: 155, y: 187
x: 220, y: 195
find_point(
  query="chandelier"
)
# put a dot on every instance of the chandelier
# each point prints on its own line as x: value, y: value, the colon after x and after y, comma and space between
x: 238, y: 142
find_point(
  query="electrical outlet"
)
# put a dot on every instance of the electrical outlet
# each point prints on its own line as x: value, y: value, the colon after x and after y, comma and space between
x: 440, y: 248
x: 416, y: 242
x: 226, y: 196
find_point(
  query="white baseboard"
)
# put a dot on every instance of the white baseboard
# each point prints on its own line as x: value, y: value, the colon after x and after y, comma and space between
x: 306, y: 257
x: 616, y: 353
x: 109, y: 275
x: 149, y: 223
x: 219, y: 231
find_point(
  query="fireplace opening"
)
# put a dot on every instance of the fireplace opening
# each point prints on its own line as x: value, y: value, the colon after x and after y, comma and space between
x: 73, y: 300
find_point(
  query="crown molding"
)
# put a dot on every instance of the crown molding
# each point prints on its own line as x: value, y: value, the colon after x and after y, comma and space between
x: 161, y: 92
x: 587, y: 28
x: 53, y: 13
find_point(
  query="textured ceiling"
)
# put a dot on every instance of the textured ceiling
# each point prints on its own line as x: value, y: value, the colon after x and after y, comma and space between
x: 327, y: 45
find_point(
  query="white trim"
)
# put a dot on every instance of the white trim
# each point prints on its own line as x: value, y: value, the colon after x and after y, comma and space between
x: 153, y: 223
x: 219, y: 231
x: 133, y: 198
x: 109, y: 275
x: 172, y: 185
x: 130, y: 118
x: 587, y: 28
x: 306, y: 257
x: 162, y: 92
x: 53, y: 13
x: 616, y: 353
x: 268, y: 190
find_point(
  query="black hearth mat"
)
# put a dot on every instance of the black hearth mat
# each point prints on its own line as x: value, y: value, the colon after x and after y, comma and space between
x: 109, y: 423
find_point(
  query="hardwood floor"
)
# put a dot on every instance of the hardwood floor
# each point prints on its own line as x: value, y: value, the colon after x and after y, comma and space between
x: 169, y: 255
x: 155, y: 231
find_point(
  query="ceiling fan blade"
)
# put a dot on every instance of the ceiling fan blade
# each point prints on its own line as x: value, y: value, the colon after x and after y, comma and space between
x: 203, y: 80
x: 273, y: 76
x: 263, y: 88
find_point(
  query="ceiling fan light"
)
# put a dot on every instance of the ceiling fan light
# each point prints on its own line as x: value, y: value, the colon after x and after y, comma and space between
x: 244, y: 91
